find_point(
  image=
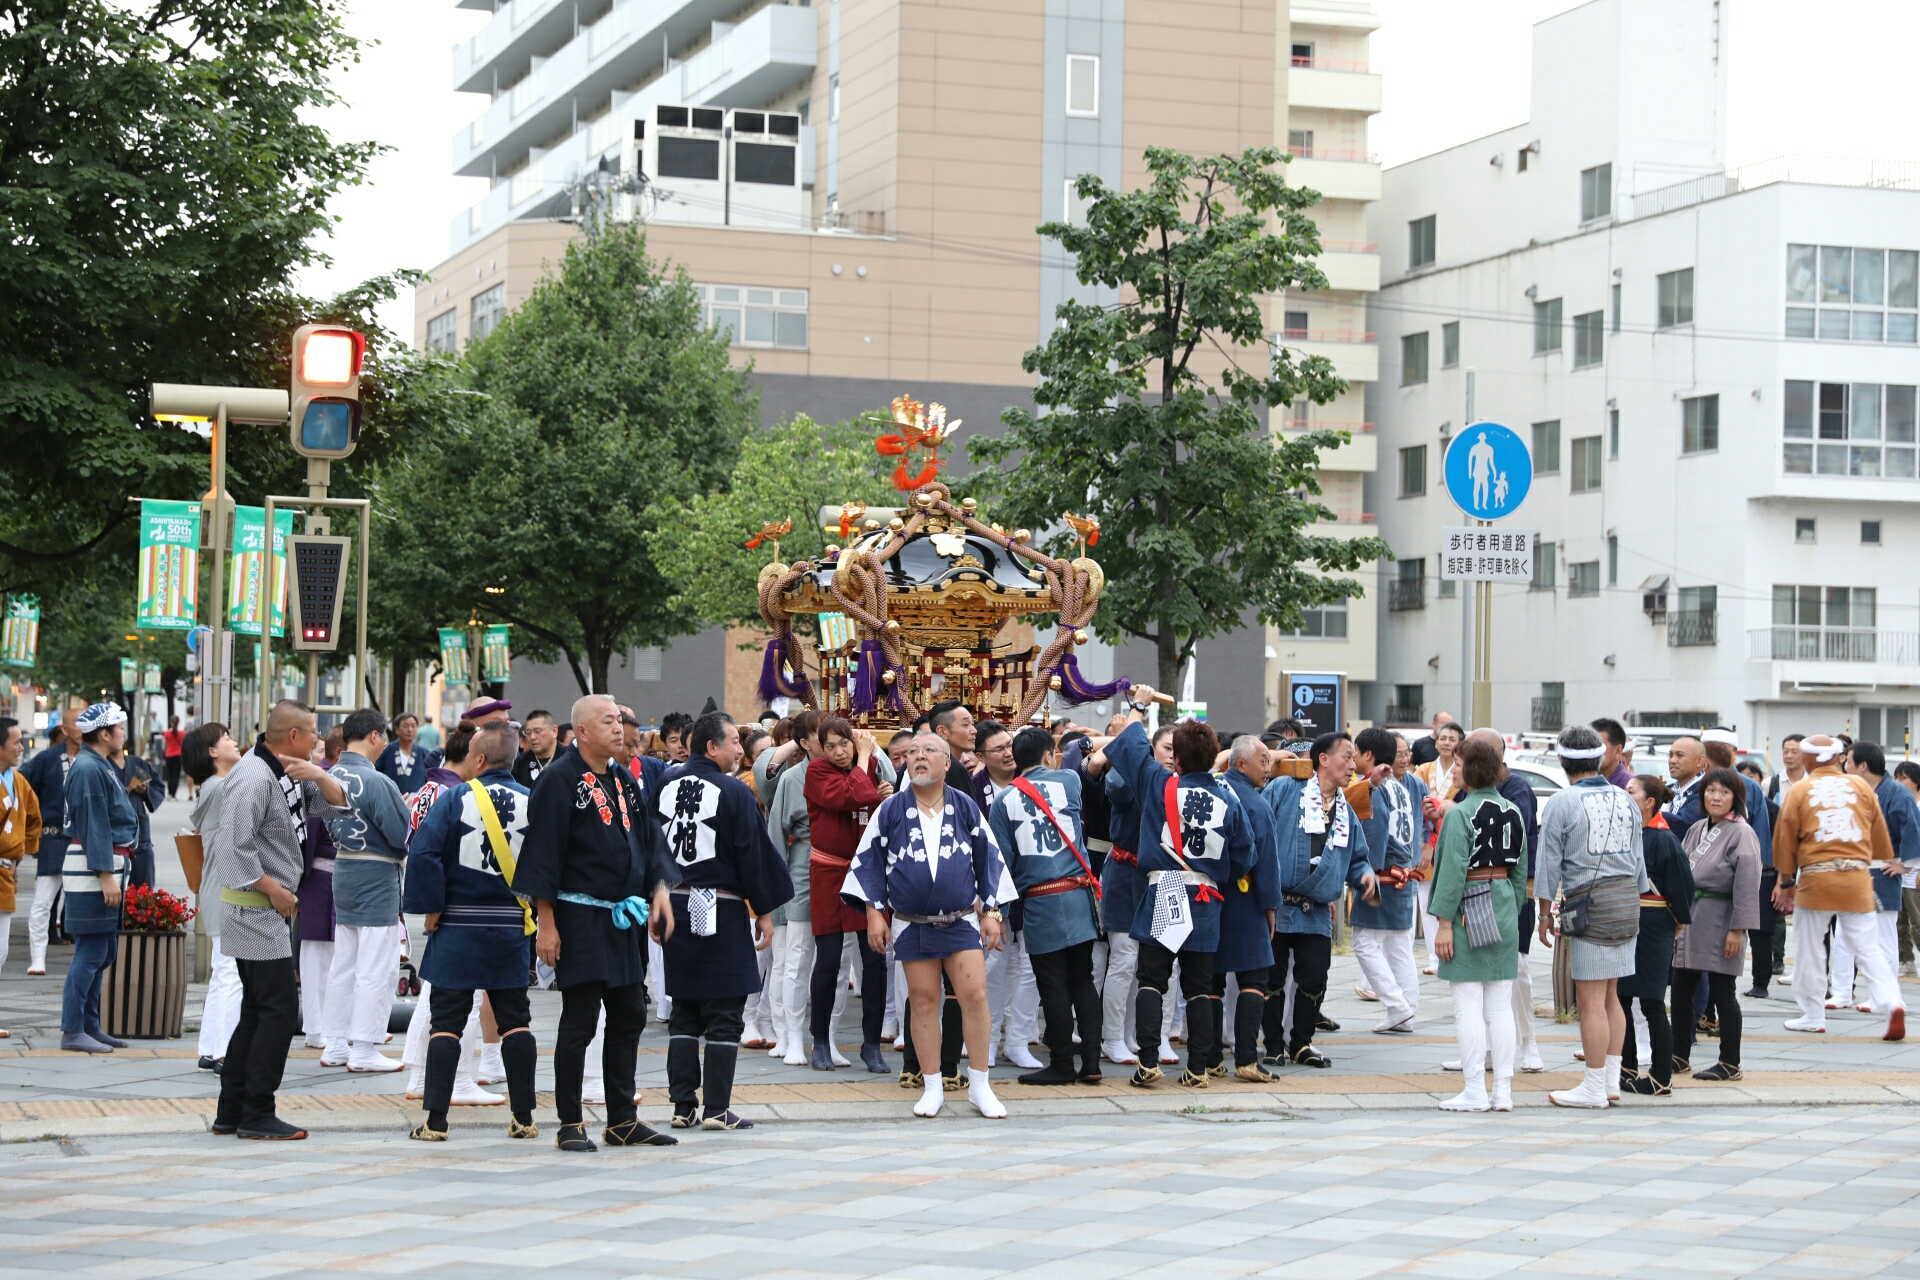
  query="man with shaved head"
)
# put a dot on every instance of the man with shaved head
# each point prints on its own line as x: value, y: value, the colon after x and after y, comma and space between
x: 597, y: 868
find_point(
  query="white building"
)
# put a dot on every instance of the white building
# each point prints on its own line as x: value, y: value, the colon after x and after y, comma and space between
x: 1715, y: 370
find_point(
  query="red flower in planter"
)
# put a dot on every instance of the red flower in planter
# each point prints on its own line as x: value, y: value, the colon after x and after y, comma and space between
x: 145, y: 909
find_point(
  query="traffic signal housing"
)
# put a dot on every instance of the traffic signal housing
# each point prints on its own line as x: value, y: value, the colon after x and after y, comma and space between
x: 326, y: 390
x: 316, y: 586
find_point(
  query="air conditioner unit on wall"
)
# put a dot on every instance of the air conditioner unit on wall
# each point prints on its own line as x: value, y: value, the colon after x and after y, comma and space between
x: 682, y: 156
x: 764, y: 176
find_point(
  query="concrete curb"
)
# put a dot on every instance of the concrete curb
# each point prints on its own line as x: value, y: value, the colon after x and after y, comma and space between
x: 478, y: 1120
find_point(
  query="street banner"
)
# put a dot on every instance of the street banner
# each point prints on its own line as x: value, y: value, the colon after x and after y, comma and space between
x: 496, y: 659
x: 169, y: 564
x: 453, y: 655
x: 20, y: 639
x: 259, y: 581
x: 129, y: 674
x: 1486, y: 555
x: 150, y: 678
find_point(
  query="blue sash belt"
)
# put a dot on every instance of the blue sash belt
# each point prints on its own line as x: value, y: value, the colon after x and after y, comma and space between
x: 627, y: 912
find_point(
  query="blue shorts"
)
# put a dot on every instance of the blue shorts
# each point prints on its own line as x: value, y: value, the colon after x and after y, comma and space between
x: 934, y: 942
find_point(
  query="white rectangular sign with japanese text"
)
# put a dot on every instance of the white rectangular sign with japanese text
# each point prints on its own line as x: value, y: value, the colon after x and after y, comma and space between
x: 1486, y: 555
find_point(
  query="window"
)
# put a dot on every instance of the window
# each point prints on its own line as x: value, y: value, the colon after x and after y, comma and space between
x: 1445, y: 590
x: 1869, y: 533
x: 1898, y: 725
x: 1849, y: 429
x: 1413, y: 358
x: 1676, y: 298
x: 1700, y: 424
x: 1809, y: 606
x: 1805, y: 530
x: 1323, y: 622
x: 1615, y: 299
x: 1074, y: 208
x: 1407, y: 708
x: 1420, y: 242
x: 1583, y: 578
x: 1596, y: 192
x: 1450, y: 344
x: 1543, y: 575
x: 443, y: 331
x: 1413, y: 471
x: 1586, y: 464
x: 1550, y: 708
x: 1613, y: 433
x: 1083, y: 85
x: 833, y: 96
x: 1302, y: 54
x: 1693, y: 623
x: 644, y: 663
x: 488, y: 309
x: 1546, y: 326
x: 1296, y: 324
x: 1408, y: 590
x: 1588, y: 339
x: 1546, y: 448
x: 1862, y: 295
x: 1300, y: 142
x: 1613, y: 560
x: 754, y: 317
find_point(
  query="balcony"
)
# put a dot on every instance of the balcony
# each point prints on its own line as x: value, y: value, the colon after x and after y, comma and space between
x: 1549, y: 715
x: 1354, y: 272
x: 1336, y: 175
x: 1333, y: 86
x: 1404, y: 594
x: 501, y: 51
x: 1835, y: 644
x: 1352, y: 353
x: 1405, y: 713
x: 1685, y: 630
x: 746, y: 65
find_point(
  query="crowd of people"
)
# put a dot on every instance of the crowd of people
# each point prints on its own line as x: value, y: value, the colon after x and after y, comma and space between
x: 1003, y: 886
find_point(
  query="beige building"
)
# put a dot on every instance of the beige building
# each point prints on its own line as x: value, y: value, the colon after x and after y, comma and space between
x: 854, y: 186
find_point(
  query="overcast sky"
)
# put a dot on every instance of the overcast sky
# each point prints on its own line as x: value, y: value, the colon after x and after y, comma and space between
x: 1454, y: 70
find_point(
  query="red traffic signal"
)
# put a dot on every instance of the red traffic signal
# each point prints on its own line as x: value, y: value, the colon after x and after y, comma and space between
x: 326, y: 390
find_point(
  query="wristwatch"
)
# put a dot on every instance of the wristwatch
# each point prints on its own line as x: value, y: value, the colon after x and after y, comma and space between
x: 993, y: 913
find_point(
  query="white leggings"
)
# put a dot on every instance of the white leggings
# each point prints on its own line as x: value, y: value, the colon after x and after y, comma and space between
x: 1483, y: 1020
x: 220, y: 1011
x: 1117, y: 991
x: 40, y: 918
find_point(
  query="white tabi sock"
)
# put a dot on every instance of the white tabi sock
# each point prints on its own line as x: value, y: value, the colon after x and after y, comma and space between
x: 932, y: 1096
x: 980, y: 1094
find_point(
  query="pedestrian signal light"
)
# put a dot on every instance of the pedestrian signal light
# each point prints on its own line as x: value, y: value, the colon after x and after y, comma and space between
x: 326, y: 390
x: 317, y: 583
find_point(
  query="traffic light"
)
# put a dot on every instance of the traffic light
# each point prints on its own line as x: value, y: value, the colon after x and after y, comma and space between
x: 326, y: 390
x: 317, y: 568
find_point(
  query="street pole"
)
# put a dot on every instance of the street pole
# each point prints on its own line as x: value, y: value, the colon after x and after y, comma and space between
x: 218, y: 676
x: 1467, y: 608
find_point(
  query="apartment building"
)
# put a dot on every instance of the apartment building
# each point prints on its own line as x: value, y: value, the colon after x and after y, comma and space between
x: 854, y: 185
x: 1715, y: 370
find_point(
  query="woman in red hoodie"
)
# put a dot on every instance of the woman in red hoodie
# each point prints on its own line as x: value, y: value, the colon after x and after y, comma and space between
x: 843, y: 788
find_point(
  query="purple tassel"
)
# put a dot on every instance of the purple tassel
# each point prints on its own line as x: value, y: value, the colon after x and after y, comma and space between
x: 773, y: 680
x: 866, y: 680
x: 1075, y: 689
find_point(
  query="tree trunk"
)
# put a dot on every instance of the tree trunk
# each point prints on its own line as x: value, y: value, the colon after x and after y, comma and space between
x: 401, y: 668
x: 599, y: 659
x: 1167, y: 649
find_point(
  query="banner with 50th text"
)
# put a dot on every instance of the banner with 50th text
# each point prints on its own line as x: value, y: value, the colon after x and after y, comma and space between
x: 169, y: 564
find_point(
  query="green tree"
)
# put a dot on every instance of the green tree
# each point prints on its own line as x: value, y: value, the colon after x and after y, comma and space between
x: 600, y: 399
x: 1204, y: 515
x: 159, y: 185
x: 788, y: 472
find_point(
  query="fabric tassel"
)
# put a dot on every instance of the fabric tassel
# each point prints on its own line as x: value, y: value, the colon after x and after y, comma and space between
x: 1074, y: 687
x: 773, y: 680
x: 866, y: 680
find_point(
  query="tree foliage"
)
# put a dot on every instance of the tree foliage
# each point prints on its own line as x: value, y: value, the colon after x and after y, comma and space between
x: 1204, y: 515
x: 786, y: 473
x: 562, y: 434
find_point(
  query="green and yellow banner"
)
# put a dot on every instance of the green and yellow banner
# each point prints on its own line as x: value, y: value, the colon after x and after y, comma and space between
x: 129, y: 674
x: 169, y: 564
x: 496, y: 657
x: 259, y: 579
x: 20, y: 634
x: 454, y: 667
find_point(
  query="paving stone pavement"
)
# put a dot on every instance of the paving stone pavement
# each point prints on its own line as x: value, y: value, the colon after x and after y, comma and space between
x: 1787, y: 1192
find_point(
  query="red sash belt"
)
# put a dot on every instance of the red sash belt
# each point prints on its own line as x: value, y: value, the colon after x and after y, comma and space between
x: 1123, y: 855
x: 1207, y: 893
x: 828, y: 860
x: 1065, y: 884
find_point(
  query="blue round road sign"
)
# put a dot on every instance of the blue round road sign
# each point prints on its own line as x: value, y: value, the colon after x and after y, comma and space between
x: 1488, y: 471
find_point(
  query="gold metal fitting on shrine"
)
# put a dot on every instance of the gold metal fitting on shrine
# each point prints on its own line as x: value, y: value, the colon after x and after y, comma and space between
x: 893, y: 625
x: 1081, y: 637
x: 925, y: 499
x: 886, y: 677
x: 896, y: 524
x: 1054, y: 683
x: 1021, y: 535
x: 968, y: 505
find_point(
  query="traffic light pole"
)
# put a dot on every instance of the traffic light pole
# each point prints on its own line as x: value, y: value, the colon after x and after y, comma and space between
x: 318, y: 523
x: 215, y: 669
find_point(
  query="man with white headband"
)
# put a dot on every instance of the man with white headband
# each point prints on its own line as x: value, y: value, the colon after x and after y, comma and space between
x: 1831, y: 831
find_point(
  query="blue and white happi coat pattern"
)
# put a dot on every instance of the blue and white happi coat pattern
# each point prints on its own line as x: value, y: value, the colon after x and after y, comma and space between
x: 1036, y: 854
x: 452, y: 869
x: 894, y: 870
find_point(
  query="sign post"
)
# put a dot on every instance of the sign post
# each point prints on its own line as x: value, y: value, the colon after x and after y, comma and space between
x: 1314, y: 699
x: 1488, y: 474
